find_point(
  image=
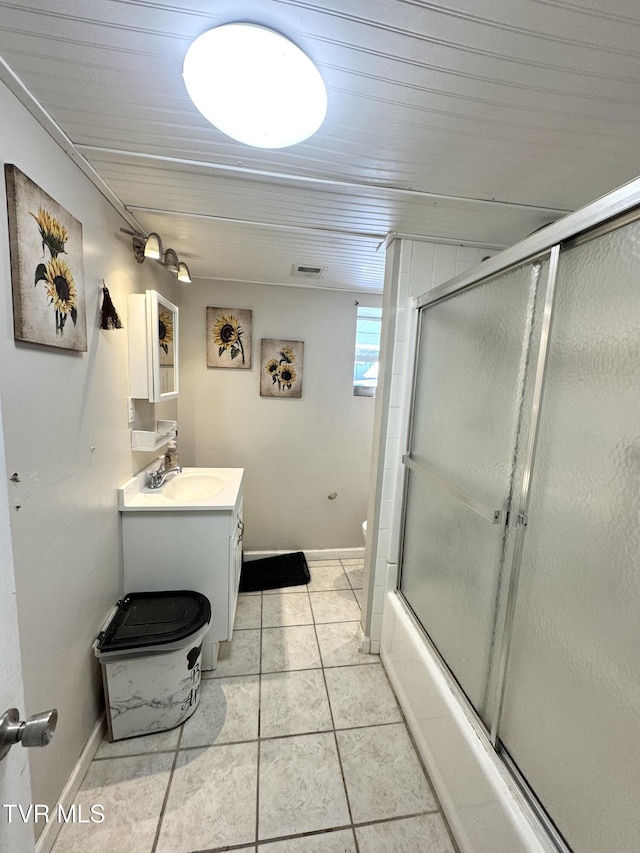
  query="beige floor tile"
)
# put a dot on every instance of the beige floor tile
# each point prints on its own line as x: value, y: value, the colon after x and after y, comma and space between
x: 228, y: 711
x: 294, y: 703
x: 425, y: 833
x: 357, y: 562
x: 361, y: 696
x: 240, y: 656
x: 312, y: 563
x: 304, y: 771
x: 359, y: 597
x: 340, y: 644
x: 286, y: 609
x: 158, y: 742
x: 293, y: 647
x: 328, y: 577
x: 340, y: 841
x: 212, y: 800
x: 334, y: 606
x: 131, y: 791
x: 248, y: 612
x: 382, y: 773
x: 356, y: 576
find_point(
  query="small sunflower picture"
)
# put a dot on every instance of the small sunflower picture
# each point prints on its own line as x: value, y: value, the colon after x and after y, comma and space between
x: 229, y: 337
x: 281, y: 371
x: 46, y: 267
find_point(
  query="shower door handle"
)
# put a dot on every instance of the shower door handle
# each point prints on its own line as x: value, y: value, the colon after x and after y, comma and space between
x: 495, y: 516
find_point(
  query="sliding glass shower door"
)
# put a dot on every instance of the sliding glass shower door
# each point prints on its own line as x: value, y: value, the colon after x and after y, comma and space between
x: 521, y: 540
x: 571, y: 716
x: 472, y: 359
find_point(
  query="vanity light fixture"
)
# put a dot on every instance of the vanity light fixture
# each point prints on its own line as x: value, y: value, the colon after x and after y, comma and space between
x: 170, y: 260
x: 183, y: 273
x: 255, y: 85
x: 151, y: 247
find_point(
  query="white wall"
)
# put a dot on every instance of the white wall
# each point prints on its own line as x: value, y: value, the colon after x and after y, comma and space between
x: 295, y: 452
x: 420, y: 266
x: 67, y: 437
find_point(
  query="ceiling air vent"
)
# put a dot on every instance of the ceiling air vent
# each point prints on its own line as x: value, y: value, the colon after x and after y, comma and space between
x: 307, y: 271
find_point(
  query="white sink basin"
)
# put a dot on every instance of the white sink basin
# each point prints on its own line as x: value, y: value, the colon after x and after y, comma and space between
x: 193, y: 486
x: 195, y: 489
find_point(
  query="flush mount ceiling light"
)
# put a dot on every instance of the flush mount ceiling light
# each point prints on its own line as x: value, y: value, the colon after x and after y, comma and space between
x: 255, y: 85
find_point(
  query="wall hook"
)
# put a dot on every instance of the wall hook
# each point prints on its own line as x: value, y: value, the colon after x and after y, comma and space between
x: 15, y: 478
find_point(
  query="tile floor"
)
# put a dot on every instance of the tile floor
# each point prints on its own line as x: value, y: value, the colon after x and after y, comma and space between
x: 298, y: 746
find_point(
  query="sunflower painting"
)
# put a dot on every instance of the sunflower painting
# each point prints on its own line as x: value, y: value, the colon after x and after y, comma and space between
x: 281, y: 371
x: 46, y: 267
x: 228, y: 337
x: 165, y: 335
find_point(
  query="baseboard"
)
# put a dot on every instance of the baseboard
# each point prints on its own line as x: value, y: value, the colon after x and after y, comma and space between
x: 327, y: 554
x: 50, y: 832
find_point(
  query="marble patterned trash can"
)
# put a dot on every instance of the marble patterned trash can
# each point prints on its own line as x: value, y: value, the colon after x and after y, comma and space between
x: 150, y: 650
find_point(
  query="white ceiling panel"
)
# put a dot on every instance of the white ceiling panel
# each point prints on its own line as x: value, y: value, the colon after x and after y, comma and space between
x: 457, y: 121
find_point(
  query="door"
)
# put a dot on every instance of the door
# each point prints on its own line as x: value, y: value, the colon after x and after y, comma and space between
x: 16, y: 836
x: 571, y: 713
x: 472, y: 361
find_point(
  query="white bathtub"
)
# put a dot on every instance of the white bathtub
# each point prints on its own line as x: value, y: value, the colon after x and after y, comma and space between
x: 485, y: 810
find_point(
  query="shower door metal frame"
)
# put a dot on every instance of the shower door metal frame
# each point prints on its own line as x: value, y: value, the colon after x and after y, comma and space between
x: 501, y: 515
x: 613, y: 211
x: 504, y: 629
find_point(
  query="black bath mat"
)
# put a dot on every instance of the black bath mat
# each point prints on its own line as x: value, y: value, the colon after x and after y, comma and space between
x: 274, y: 572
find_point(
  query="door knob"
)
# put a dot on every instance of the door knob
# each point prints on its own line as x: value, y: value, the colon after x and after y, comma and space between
x: 36, y: 731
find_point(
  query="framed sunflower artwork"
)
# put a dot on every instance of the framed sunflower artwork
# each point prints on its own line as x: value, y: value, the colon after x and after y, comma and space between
x: 47, y: 274
x: 281, y: 368
x: 229, y: 337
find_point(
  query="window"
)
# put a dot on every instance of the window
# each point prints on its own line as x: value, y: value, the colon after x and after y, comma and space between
x: 365, y: 367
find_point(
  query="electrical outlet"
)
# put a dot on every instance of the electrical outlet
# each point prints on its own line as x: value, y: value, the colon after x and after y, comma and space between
x: 130, y: 413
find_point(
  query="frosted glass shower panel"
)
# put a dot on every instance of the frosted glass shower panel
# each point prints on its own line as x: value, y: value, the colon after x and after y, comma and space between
x: 471, y: 360
x: 571, y: 716
x: 449, y: 569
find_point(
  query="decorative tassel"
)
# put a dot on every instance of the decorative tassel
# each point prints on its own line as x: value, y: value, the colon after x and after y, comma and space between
x: 109, y: 315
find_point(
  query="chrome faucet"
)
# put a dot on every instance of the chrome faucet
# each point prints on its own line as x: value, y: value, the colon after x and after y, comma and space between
x: 156, y: 478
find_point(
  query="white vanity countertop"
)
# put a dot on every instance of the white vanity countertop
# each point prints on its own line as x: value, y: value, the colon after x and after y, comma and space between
x: 135, y: 496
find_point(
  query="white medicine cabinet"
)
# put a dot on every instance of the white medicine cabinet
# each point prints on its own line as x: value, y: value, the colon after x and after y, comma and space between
x: 153, y: 347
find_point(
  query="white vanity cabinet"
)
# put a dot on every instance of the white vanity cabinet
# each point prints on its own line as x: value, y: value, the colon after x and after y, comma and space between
x: 188, y: 547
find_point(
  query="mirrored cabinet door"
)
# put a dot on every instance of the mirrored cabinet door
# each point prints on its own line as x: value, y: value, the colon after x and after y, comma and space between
x: 162, y: 326
x: 153, y: 347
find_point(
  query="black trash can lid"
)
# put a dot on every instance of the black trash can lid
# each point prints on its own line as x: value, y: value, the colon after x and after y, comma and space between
x: 154, y: 619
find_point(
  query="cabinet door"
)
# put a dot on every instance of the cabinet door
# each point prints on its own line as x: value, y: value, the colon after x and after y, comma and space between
x: 153, y: 347
x: 235, y: 565
x: 162, y: 329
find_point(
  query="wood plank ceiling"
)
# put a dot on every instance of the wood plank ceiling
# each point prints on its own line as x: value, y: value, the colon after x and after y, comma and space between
x: 457, y: 120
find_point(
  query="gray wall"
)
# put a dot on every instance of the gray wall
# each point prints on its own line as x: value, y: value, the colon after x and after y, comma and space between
x: 66, y: 435
x: 295, y: 452
x: 57, y: 406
